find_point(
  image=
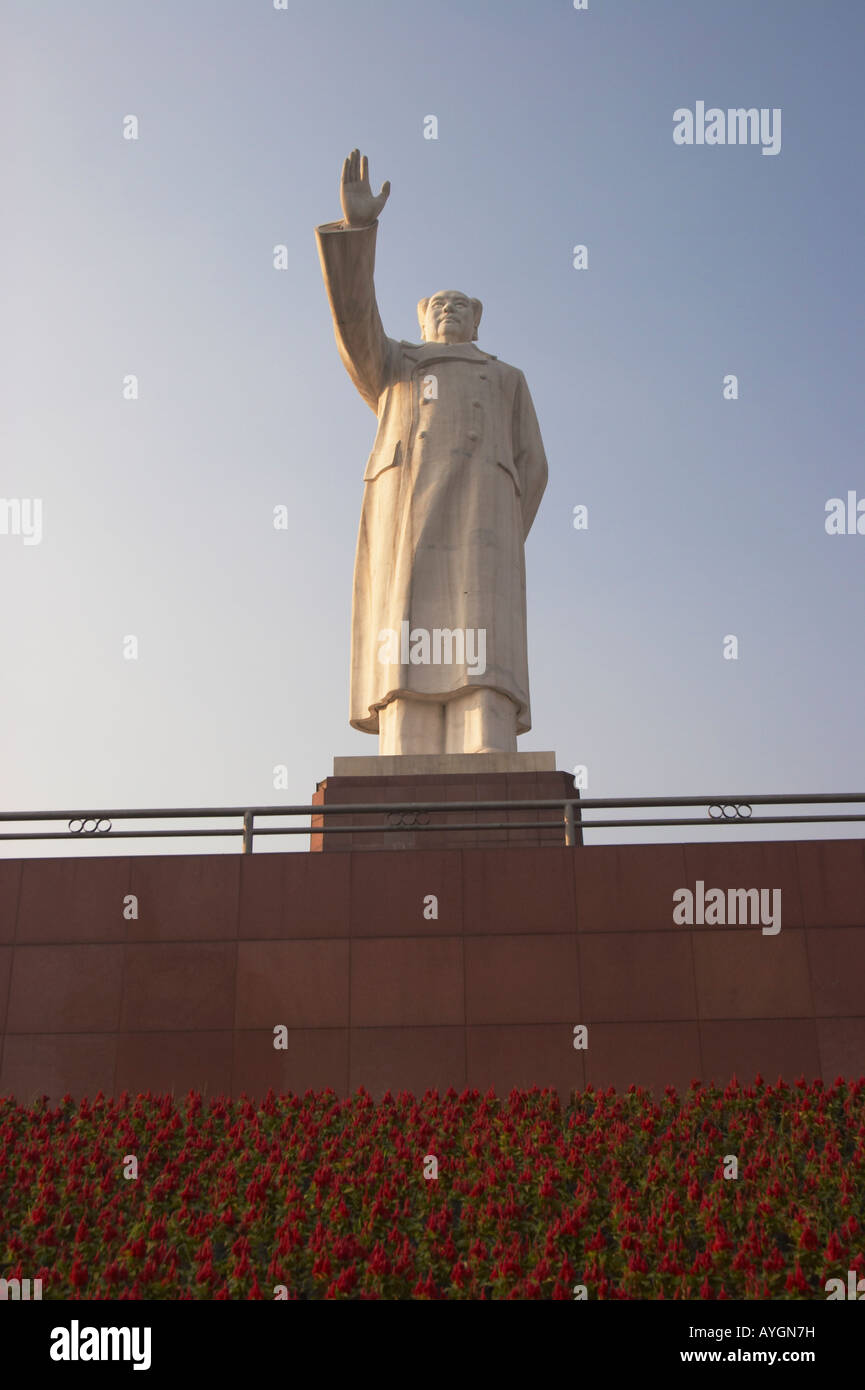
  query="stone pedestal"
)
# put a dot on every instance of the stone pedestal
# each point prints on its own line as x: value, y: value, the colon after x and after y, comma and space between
x: 452, y: 778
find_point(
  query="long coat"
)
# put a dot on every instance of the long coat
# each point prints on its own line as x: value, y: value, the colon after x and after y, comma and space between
x: 452, y: 485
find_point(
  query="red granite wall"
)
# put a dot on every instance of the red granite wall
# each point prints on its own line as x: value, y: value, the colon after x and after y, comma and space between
x: 528, y: 942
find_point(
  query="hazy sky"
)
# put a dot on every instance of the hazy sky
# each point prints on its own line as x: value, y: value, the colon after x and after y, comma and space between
x: 154, y: 257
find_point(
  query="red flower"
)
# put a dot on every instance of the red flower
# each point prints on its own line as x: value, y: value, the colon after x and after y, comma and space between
x: 347, y: 1280
x: 797, y: 1280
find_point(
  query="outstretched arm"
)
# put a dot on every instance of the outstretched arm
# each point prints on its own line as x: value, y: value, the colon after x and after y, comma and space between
x: 347, y: 253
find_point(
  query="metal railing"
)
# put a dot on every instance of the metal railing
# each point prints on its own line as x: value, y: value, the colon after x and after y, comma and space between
x: 414, y: 815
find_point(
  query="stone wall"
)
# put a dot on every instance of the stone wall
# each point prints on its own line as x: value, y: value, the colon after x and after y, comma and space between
x: 527, y: 943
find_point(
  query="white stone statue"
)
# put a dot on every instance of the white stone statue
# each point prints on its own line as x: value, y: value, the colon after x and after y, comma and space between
x: 455, y: 477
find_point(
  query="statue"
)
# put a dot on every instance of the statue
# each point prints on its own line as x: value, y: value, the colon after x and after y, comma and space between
x: 456, y: 474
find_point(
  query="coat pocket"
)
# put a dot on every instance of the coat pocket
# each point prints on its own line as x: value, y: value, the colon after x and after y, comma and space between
x: 380, y: 459
x: 508, y: 465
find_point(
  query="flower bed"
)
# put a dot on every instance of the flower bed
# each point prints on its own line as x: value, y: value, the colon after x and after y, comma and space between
x: 316, y: 1197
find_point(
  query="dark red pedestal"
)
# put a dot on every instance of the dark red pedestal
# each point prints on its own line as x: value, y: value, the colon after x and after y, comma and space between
x: 544, y: 827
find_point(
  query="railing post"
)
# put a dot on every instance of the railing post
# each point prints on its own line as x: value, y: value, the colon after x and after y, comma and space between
x: 247, y: 832
x: 570, y: 828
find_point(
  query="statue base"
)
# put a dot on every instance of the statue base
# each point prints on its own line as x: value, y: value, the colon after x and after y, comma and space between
x: 416, y: 780
x: 434, y: 764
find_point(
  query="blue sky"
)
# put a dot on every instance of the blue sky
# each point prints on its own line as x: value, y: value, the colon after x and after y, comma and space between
x: 154, y: 257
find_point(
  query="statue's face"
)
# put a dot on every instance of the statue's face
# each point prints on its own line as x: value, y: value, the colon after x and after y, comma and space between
x: 449, y: 318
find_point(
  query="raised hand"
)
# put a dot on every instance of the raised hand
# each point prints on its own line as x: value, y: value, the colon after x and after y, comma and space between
x: 360, y: 206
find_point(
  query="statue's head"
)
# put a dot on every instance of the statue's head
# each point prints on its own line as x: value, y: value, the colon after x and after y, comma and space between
x: 449, y: 316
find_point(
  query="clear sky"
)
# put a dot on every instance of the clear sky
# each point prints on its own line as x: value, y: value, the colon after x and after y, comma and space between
x: 154, y: 257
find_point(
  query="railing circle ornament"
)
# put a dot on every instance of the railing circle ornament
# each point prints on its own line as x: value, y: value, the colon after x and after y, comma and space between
x: 729, y: 810
x: 88, y: 825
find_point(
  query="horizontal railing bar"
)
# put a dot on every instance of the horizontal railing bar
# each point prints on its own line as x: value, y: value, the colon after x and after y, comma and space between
x: 94, y: 838
x: 587, y: 803
x: 442, y: 829
x: 80, y: 837
x: 719, y: 820
x: 545, y: 824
